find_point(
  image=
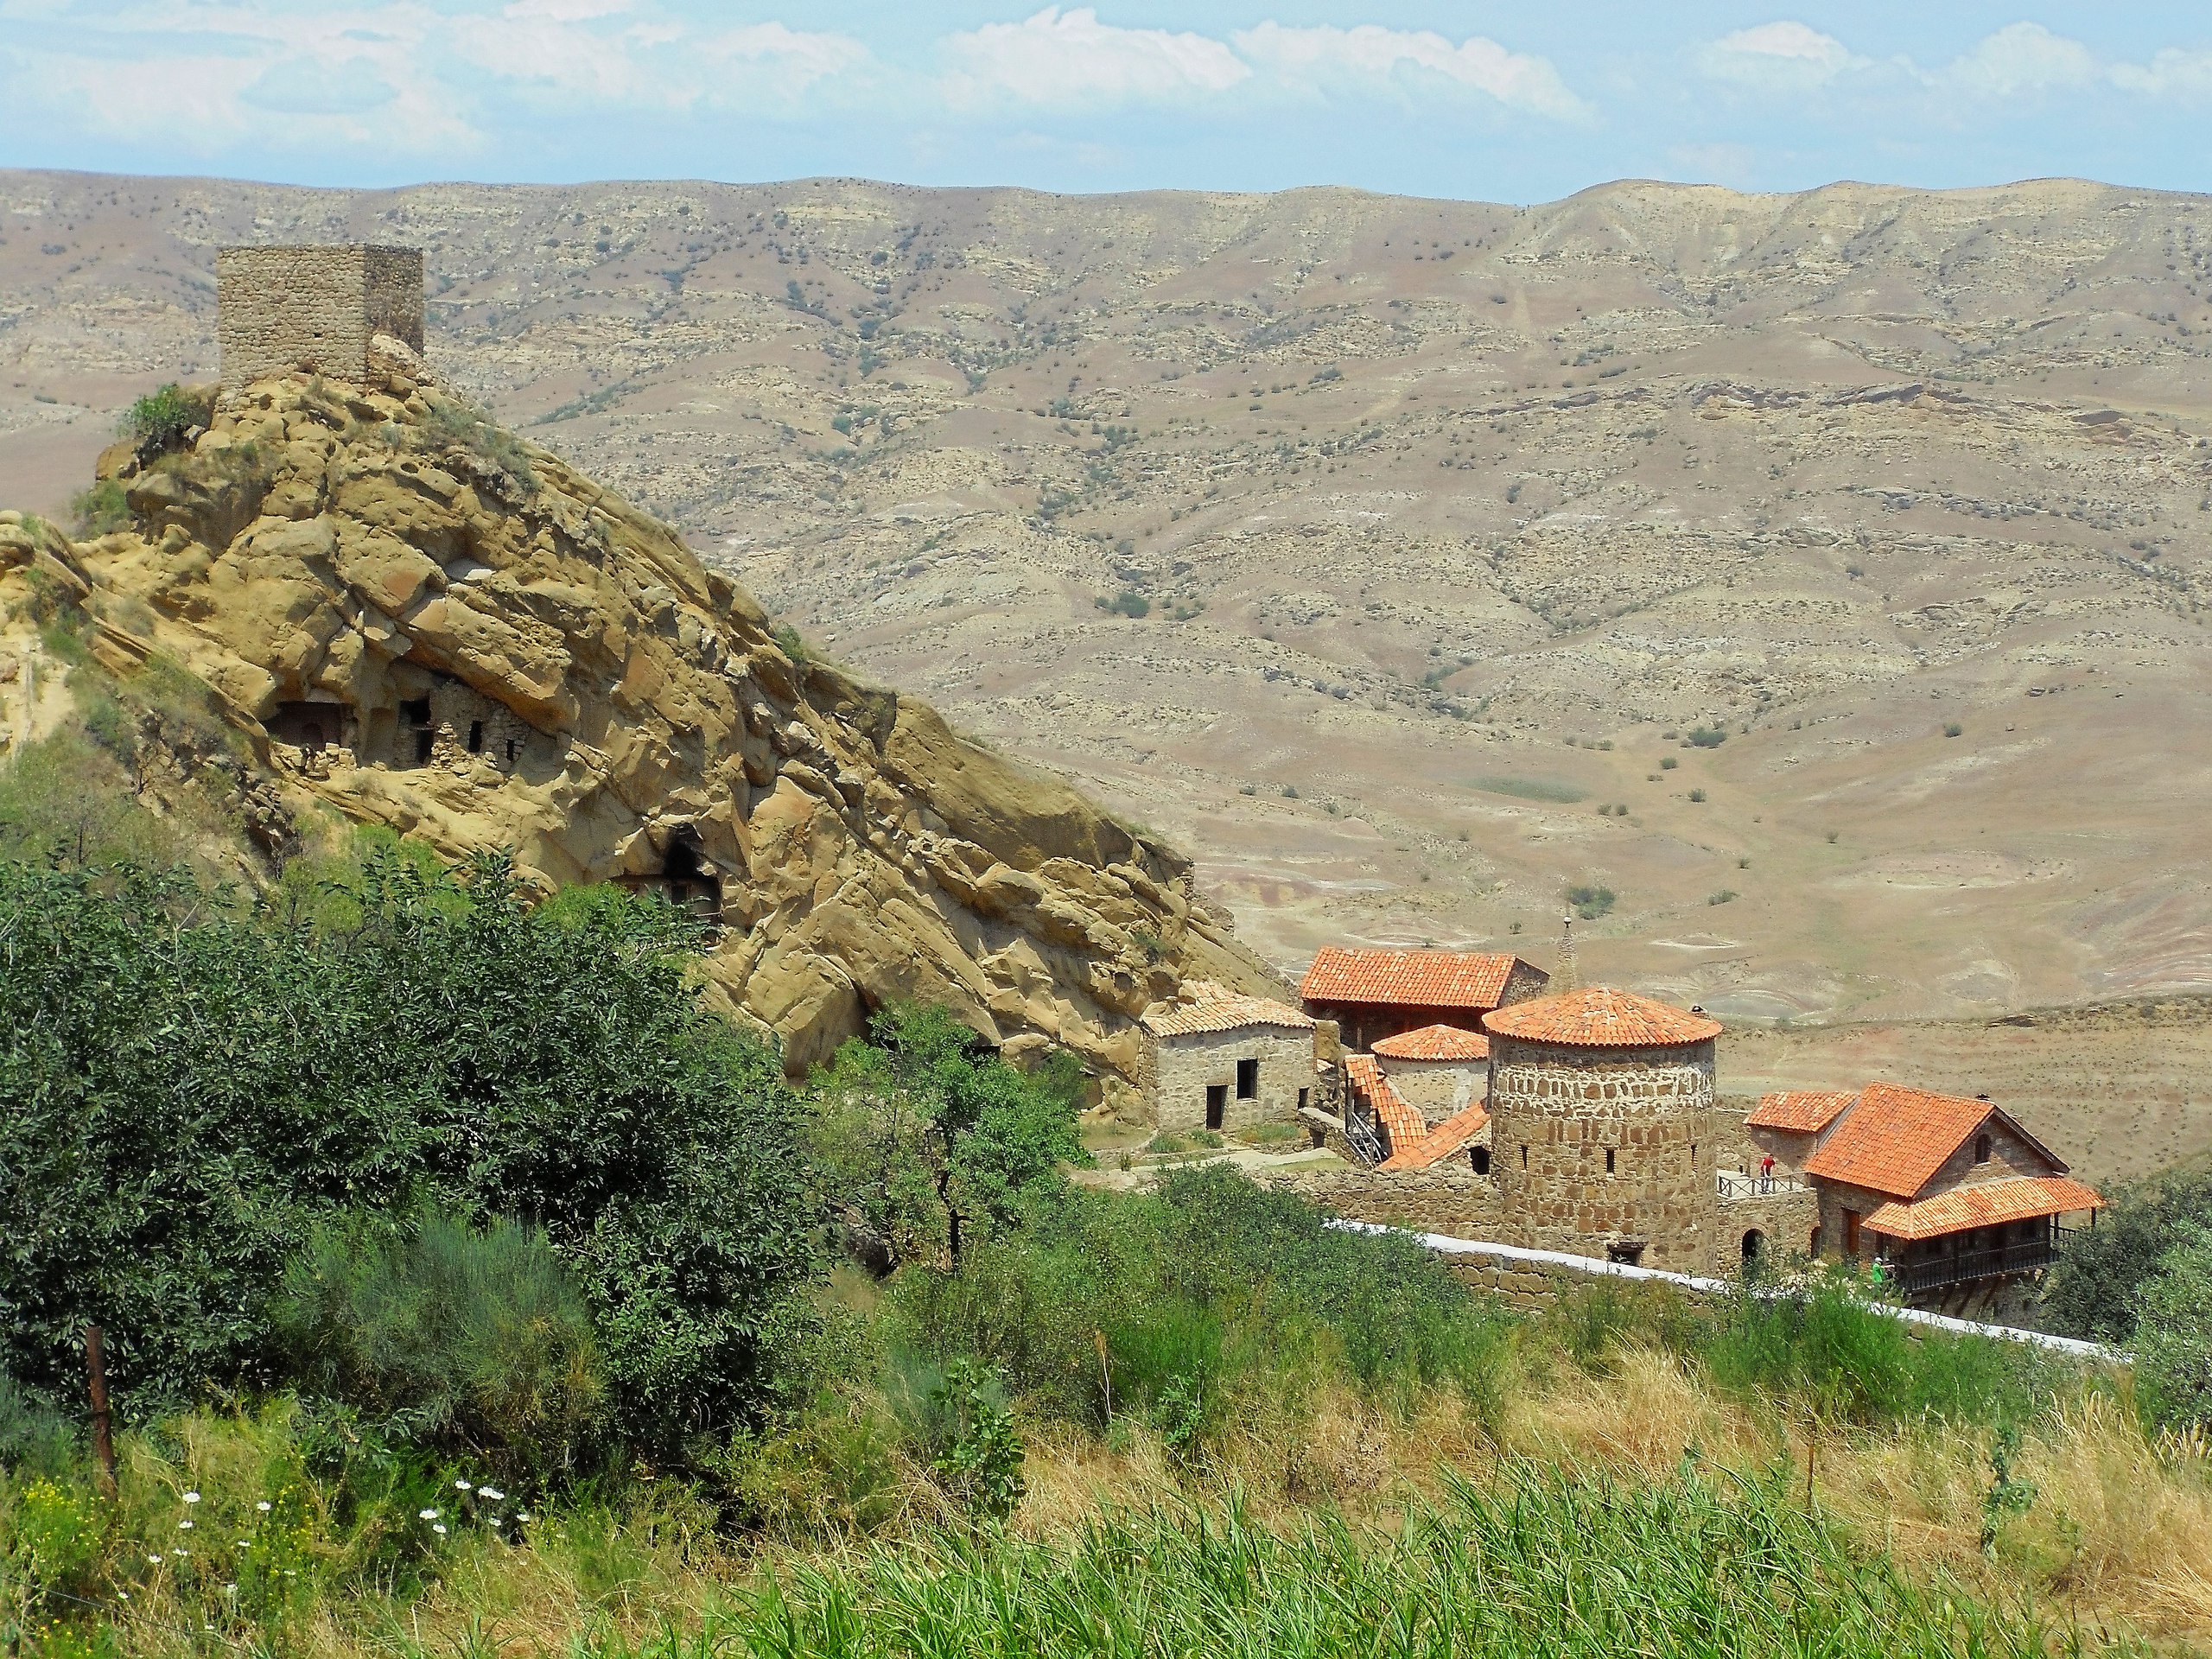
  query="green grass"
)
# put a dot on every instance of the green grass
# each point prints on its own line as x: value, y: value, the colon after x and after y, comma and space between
x: 1534, y: 789
x: 1537, y: 1563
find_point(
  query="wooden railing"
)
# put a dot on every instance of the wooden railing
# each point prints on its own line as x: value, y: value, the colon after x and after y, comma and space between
x: 1755, y: 1186
x: 1913, y: 1278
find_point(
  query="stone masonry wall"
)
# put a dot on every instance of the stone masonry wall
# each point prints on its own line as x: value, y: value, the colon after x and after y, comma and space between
x: 284, y: 308
x: 1557, y: 1112
x: 1182, y: 1068
x: 1448, y: 1198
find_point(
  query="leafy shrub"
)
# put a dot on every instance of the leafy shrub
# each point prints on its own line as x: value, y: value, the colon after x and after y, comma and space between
x: 1952, y: 728
x: 100, y: 510
x: 161, y: 418
x: 193, y: 1087
x: 477, y: 1340
x: 1668, y: 763
x: 2173, y: 1333
x: 451, y: 424
x: 2096, y: 1289
x: 1128, y: 602
x: 1697, y: 794
x: 1706, y: 737
x: 1591, y: 902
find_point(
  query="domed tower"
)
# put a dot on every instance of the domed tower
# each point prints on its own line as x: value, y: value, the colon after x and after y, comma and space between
x: 1598, y: 1103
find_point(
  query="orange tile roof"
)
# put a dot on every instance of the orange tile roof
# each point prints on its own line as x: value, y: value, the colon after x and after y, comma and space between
x: 1894, y: 1139
x: 1402, y: 1126
x: 1601, y: 1017
x: 1448, y: 1137
x: 1418, y: 978
x: 1986, y: 1203
x: 1806, y: 1111
x: 1204, y: 1006
x: 1435, y: 1043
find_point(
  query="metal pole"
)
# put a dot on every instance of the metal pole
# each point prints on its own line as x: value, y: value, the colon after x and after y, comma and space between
x: 103, y: 1431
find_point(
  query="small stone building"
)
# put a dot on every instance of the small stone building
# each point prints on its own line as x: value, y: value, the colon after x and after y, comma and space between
x: 1598, y: 1105
x: 1375, y: 995
x: 1218, y: 1059
x: 314, y: 308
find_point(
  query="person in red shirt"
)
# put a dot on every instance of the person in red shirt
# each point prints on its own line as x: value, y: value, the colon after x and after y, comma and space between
x: 1766, y: 1174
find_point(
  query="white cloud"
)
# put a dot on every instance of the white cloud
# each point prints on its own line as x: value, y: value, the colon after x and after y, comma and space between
x: 1784, y: 56
x: 799, y: 58
x: 2171, y: 73
x: 1324, y: 56
x: 2020, y: 60
x: 1068, y: 59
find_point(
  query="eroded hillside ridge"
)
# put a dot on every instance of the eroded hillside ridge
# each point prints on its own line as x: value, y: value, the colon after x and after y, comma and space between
x: 427, y: 625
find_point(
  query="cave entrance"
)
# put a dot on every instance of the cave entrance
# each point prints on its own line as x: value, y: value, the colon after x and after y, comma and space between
x: 690, y: 882
x: 418, y: 736
x: 309, y: 725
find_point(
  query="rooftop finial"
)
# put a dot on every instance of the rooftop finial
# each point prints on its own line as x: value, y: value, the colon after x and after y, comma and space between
x: 1569, y: 976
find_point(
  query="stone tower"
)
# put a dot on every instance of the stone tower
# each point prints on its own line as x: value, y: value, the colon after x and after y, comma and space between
x: 282, y: 309
x: 1598, y: 1109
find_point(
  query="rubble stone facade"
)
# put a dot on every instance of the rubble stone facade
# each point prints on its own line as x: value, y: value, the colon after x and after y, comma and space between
x: 1601, y: 1146
x: 1229, y: 1081
x: 285, y: 308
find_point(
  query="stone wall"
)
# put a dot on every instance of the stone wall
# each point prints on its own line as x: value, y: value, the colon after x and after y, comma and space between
x: 285, y: 308
x: 1448, y: 1198
x: 1785, y: 1219
x: 1436, y: 1089
x: 1594, y: 1148
x: 1179, y: 1070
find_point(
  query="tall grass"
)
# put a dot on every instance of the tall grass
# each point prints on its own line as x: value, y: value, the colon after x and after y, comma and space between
x: 1538, y: 1563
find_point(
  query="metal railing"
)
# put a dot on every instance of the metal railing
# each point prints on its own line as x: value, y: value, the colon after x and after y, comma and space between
x: 1913, y: 1278
x: 1755, y: 1186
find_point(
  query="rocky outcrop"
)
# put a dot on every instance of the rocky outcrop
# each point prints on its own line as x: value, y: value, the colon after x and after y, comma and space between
x: 422, y: 622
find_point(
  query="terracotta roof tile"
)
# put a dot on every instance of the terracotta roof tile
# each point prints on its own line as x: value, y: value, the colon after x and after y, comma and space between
x: 1601, y: 1017
x: 1402, y: 1126
x: 1450, y: 1136
x: 1986, y: 1203
x: 1435, y: 1043
x: 1420, y: 979
x: 1205, y: 1007
x: 1894, y: 1139
x: 1806, y: 1111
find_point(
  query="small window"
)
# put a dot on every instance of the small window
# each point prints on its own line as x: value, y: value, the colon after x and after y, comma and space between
x: 1247, y: 1079
x: 1216, y: 1103
x: 1480, y: 1157
x: 415, y: 711
x: 476, y: 737
x: 1524, y: 1157
x: 514, y: 747
x: 1627, y: 1253
x: 1302, y: 1094
x: 1981, y: 1148
x: 1609, y: 1161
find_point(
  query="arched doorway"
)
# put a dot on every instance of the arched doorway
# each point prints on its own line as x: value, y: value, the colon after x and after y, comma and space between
x: 1754, y: 1245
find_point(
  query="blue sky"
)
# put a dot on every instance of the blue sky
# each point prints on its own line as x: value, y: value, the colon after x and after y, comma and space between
x: 1505, y: 103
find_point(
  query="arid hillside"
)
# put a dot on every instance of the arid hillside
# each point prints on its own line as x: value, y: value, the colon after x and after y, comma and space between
x: 1821, y: 575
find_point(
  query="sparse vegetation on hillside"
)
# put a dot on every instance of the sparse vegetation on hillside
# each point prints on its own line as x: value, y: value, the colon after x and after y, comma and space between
x: 1590, y: 902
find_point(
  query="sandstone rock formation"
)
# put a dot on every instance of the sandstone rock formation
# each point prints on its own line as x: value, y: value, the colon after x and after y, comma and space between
x: 423, y: 623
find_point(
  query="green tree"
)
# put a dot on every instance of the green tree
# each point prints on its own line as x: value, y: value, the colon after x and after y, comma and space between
x: 926, y: 1129
x: 2095, y: 1291
x: 2173, y: 1333
x: 190, y: 1086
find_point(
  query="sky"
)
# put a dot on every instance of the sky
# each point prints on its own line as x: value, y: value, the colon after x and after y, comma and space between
x: 1517, y: 103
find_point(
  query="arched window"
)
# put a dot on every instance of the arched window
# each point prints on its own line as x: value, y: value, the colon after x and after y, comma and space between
x: 1981, y: 1148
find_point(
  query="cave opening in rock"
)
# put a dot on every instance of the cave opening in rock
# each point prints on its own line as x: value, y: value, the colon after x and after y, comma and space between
x: 308, y: 725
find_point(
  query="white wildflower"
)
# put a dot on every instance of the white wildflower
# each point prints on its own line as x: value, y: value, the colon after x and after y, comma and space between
x: 463, y: 1486
x: 492, y: 1494
x: 192, y: 1497
x: 153, y: 1561
x: 522, y: 1514
x: 426, y: 1515
x: 263, y: 1506
x: 184, y: 1526
x: 440, y: 1529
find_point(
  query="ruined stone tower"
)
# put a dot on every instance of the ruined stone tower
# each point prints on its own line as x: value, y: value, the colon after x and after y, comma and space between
x: 281, y: 309
x: 1598, y: 1102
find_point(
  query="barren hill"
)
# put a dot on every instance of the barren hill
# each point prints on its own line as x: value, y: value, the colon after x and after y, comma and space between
x: 1451, y: 523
